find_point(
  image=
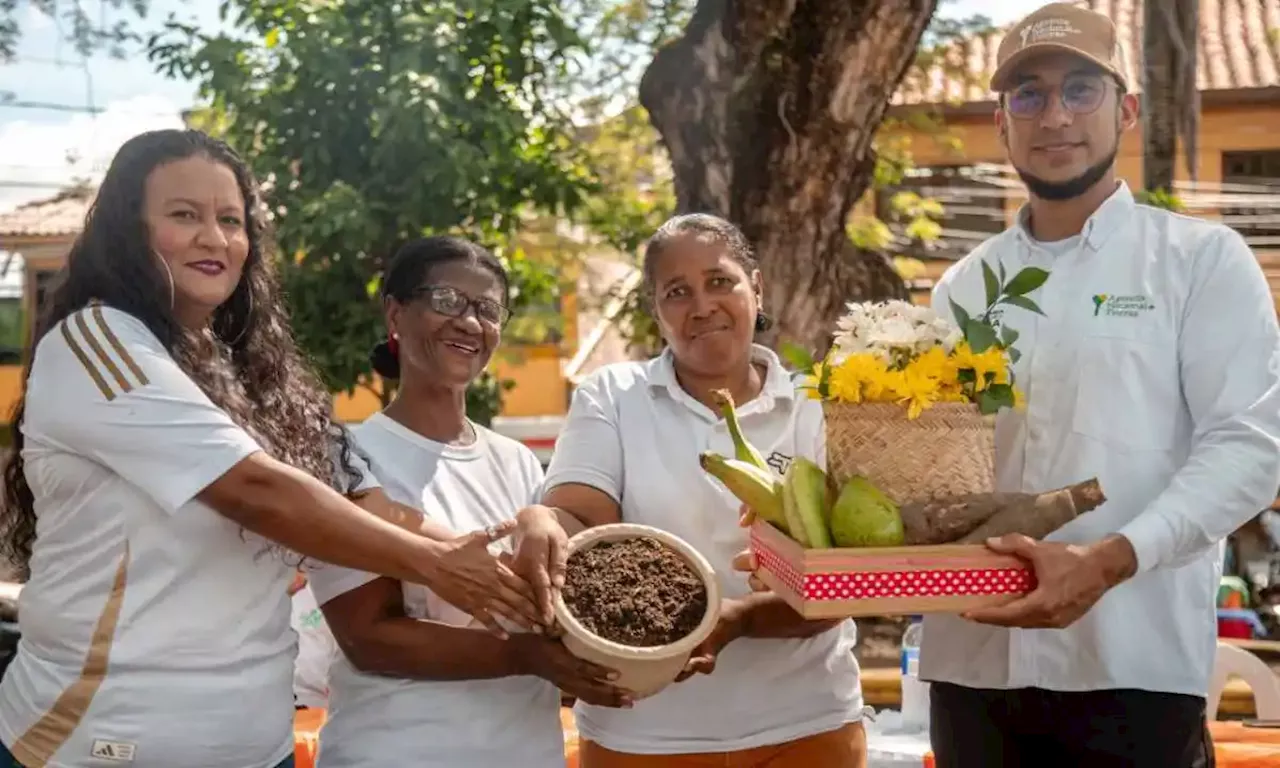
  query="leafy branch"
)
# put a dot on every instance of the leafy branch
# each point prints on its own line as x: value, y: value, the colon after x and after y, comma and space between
x: 981, y: 333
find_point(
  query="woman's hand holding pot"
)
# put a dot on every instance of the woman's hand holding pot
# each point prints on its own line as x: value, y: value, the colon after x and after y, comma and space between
x: 550, y: 660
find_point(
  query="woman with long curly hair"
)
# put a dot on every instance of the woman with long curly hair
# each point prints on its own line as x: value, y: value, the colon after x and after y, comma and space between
x: 171, y: 449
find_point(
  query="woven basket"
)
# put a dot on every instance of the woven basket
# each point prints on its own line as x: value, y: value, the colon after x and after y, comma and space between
x: 948, y: 450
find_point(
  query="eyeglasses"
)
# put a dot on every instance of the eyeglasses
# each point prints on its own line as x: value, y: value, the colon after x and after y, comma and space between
x: 452, y: 302
x: 1080, y: 94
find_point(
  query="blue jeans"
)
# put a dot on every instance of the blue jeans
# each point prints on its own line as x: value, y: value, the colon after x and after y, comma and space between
x: 7, y: 760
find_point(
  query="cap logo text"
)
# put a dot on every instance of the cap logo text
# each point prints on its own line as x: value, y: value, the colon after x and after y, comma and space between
x: 1046, y: 29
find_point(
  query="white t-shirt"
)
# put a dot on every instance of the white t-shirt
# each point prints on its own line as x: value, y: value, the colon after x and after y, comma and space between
x: 376, y: 721
x: 316, y: 649
x: 153, y: 628
x: 635, y: 434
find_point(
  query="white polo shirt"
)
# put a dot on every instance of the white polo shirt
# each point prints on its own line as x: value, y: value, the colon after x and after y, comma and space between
x: 155, y: 631
x: 635, y: 434
x: 1155, y: 368
x: 376, y: 720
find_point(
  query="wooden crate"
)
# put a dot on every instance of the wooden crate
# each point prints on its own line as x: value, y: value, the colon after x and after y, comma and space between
x: 837, y: 583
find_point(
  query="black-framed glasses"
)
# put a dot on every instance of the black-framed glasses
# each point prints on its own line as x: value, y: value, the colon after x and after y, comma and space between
x: 1080, y: 94
x: 451, y: 302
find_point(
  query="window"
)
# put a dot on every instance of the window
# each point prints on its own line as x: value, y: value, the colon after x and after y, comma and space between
x: 1256, y: 175
x: 973, y: 208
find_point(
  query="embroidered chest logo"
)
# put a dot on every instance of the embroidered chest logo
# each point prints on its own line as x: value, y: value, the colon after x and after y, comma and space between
x: 1109, y: 305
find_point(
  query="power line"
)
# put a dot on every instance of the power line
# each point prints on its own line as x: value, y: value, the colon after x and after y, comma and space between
x: 82, y: 109
x: 6, y: 184
x: 15, y: 104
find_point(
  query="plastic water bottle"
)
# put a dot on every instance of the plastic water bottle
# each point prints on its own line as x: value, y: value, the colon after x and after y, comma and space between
x: 915, y: 692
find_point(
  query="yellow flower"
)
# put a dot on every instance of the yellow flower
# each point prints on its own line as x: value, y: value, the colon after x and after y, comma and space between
x: 913, y: 388
x: 993, y: 361
x: 860, y: 377
x: 812, y: 381
x: 951, y: 392
x: 935, y: 364
x: 1019, y: 402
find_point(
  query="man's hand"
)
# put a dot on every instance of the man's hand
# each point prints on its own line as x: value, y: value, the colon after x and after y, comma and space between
x: 467, y: 576
x: 729, y: 628
x: 541, y: 552
x: 746, y: 562
x: 1071, y: 579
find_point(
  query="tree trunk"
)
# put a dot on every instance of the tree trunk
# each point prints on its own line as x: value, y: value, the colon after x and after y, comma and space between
x: 1171, y: 101
x: 768, y: 109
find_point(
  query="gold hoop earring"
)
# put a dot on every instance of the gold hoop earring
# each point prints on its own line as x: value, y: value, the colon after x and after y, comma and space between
x: 173, y: 291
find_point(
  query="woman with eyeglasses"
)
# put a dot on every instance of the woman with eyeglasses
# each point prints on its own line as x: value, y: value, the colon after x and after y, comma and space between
x: 418, y: 681
x: 173, y: 455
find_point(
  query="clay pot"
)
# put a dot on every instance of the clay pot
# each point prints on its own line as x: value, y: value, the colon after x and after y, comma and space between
x: 644, y: 671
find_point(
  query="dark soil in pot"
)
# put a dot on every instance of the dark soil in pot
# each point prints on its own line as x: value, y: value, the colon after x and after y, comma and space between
x: 635, y: 592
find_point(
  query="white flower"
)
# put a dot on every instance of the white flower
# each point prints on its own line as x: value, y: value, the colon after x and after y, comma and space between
x: 893, y: 332
x: 889, y: 329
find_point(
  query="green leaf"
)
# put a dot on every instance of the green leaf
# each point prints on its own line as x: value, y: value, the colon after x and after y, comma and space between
x: 966, y: 376
x: 1002, y: 275
x: 987, y: 404
x: 824, y: 382
x: 1024, y: 302
x: 1026, y: 281
x: 995, y: 397
x: 1008, y: 335
x: 799, y: 357
x: 961, y: 316
x: 991, y: 282
x: 1014, y: 355
x: 979, y: 335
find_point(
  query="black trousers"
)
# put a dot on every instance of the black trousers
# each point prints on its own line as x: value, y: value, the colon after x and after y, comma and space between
x: 1035, y: 728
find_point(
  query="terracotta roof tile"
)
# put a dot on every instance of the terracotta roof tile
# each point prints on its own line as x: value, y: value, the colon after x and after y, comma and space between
x: 1238, y: 47
x: 63, y: 214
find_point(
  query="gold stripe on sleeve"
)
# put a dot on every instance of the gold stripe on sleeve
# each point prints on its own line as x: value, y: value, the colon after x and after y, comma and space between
x: 110, y: 364
x: 37, y: 746
x: 120, y: 351
x: 84, y: 361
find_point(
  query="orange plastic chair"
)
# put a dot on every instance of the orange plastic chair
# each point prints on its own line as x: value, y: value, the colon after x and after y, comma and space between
x: 570, y: 737
x: 306, y: 736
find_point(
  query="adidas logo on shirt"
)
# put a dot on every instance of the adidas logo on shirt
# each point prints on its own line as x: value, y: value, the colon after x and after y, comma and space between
x: 115, y: 751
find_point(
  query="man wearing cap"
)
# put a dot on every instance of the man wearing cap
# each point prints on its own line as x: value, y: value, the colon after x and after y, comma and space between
x: 1155, y: 367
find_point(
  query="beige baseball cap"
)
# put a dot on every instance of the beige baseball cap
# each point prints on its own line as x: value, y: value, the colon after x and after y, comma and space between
x: 1064, y: 27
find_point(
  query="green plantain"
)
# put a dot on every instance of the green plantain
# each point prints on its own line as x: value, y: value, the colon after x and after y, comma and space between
x: 756, y: 488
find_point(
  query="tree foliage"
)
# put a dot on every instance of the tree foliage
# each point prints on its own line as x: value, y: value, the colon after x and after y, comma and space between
x: 631, y: 204
x: 372, y: 122
x: 86, y: 33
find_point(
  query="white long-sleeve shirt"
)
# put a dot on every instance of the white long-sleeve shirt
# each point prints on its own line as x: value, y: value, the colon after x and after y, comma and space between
x: 1156, y: 369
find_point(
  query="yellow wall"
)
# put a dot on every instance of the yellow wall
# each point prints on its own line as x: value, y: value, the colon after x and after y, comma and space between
x: 1223, y: 128
x: 540, y: 387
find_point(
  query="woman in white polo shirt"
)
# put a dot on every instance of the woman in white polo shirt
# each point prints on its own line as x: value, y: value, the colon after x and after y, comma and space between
x: 419, y: 682
x: 783, y: 691
x: 171, y: 444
